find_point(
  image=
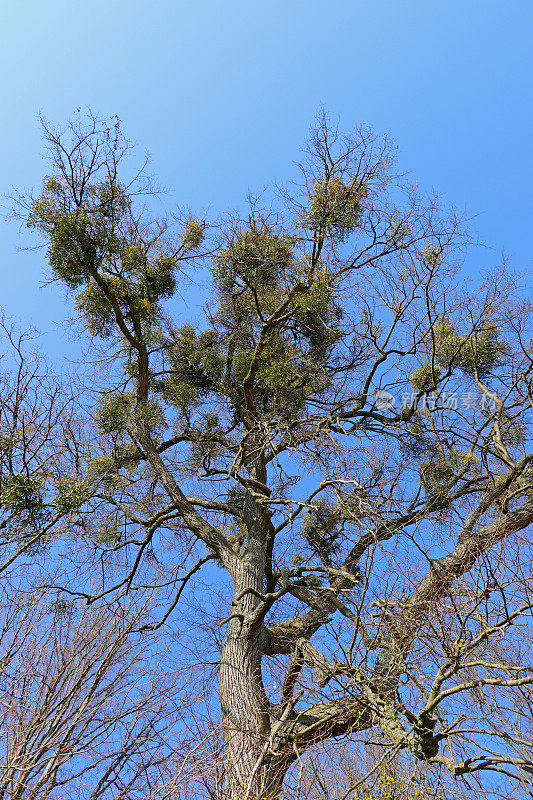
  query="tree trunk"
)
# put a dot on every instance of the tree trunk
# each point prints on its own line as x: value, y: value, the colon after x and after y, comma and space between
x: 245, y: 708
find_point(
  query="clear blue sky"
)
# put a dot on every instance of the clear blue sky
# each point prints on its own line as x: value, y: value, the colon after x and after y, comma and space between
x: 222, y: 95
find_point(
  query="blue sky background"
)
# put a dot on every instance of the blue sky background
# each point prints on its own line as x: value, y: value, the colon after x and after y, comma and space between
x: 222, y: 95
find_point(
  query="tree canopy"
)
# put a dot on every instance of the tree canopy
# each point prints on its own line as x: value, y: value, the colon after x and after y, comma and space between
x: 341, y: 445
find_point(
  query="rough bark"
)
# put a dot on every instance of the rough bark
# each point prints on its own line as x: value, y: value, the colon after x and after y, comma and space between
x: 242, y: 696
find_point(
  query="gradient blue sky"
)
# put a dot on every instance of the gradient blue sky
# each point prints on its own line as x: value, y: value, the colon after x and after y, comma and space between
x: 223, y: 93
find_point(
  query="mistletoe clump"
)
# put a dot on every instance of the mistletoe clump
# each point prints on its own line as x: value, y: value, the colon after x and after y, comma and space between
x: 426, y: 377
x: 71, y: 494
x: 19, y: 493
x: 96, y: 250
x: 195, y: 366
x: 317, y: 317
x: 321, y: 529
x: 476, y: 353
x: 114, y: 412
x: 252, y: 275
x: 256, y: 258
x: 335, y: 207
x: 439, y: 475
x: 193, y: 234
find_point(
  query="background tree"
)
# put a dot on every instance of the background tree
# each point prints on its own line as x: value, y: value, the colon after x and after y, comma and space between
x: 372, y: 557
x: 90, y: 706
x: 40, y: 437
x: 334, y: 771
x: 87, y: 707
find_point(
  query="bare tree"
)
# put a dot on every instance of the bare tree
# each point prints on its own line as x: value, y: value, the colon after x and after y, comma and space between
x: 88, y: 707
x: 342, y: 772
x: 343, y: 451
x: 38, y: 431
